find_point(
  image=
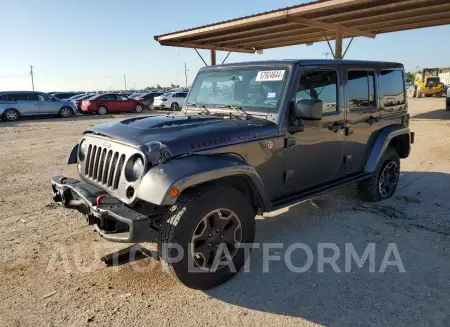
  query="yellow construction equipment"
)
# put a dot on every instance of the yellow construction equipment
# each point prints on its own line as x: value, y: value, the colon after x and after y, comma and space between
x: 426, y: 83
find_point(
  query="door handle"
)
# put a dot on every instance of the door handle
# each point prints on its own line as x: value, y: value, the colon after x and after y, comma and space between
x: 371, y: 120
x: 336, y: 126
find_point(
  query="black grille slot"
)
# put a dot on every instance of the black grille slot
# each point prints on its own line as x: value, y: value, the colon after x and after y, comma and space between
x: 112, y: 169
x: 119, y: 171
x: 86, y: 167
x: 106, y: 169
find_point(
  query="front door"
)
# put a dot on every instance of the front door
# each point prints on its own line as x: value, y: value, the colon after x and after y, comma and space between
x: 124, y: 104
x: 314, y: 155
x: 362, y: 116
x: 48, y: 105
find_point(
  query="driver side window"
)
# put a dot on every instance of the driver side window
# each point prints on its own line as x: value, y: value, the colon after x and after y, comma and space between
x: 319, y: 85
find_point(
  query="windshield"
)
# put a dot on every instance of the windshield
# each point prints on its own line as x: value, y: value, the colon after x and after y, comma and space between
x: 252, y: 88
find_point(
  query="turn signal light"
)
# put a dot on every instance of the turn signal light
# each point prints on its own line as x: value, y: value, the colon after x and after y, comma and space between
x: 173, y: 192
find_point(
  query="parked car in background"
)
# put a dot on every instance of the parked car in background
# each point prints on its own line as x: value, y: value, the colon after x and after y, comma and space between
x: 66, y: 95
x: 110, y: 102
x: 17, y: 104
x: 147, y: 98
x: 76, y: 100
x: 172, y: 100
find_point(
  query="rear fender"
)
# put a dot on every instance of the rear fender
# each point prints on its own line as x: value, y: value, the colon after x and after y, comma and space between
x: 384, y: 138
x: 194, y: 170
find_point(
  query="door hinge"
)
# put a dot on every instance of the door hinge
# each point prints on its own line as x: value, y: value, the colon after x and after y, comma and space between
x: 289, y: 175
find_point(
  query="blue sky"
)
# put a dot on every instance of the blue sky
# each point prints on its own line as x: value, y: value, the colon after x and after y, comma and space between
x: 91, y: 44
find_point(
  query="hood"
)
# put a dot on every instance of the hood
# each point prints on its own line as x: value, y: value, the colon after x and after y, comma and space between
x: 183, y: 134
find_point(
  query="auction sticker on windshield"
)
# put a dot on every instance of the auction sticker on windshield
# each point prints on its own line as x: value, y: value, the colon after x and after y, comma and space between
x: 269, y: 75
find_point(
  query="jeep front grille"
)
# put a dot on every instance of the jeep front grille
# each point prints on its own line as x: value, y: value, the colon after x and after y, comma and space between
x: 104, y: 166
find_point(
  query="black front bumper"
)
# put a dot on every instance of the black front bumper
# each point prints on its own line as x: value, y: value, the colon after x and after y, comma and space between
x: 111, y: 218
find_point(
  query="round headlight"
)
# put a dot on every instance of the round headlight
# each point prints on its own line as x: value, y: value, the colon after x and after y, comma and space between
x: 82, y: 150
x: 134, y: 168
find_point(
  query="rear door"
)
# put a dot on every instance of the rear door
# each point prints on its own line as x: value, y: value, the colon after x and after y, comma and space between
x: 362, y: 116
x: 28, y: 102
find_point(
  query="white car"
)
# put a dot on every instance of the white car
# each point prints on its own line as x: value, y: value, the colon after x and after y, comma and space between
x: 172, y: 100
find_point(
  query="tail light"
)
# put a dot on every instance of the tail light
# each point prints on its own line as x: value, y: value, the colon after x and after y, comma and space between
x: 140, y: 99
x: 164, y: 99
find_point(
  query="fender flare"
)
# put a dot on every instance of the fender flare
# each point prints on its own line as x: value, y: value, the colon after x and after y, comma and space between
x: 72, y: 158
x: 193, y: 170
x: 381, y: 143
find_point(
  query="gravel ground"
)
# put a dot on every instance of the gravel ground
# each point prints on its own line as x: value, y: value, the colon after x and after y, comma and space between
x: 51, y: 273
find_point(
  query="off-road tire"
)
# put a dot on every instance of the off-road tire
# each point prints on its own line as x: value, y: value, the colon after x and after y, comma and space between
x: 102, y: 110
x: 369, y: 188
x: 181, y: 221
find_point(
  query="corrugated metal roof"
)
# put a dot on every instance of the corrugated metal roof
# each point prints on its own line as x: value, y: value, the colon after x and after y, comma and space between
x: 244, y: 17
x: 312, y: 22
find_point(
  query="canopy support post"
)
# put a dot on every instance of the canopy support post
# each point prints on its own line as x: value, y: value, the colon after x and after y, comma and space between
x: 213, y: 57
x: 338, y: 46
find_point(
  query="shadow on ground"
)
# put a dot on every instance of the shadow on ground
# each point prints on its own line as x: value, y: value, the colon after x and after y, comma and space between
x: 415, y: 220
x: 435, y: 114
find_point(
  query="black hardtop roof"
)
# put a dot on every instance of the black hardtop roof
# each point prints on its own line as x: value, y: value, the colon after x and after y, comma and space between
x: 311, y: 62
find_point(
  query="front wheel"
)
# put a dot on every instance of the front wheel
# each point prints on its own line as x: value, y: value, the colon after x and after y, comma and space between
x: 201, y: 237
x: 175, y: 106
x: 383, y: 182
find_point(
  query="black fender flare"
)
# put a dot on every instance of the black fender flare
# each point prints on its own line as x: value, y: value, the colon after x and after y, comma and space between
x: 193, y: 170
x: 384, y: 137
x: 72, y: 158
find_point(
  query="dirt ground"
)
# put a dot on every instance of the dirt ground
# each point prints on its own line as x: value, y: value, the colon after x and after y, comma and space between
x: 51, y: 274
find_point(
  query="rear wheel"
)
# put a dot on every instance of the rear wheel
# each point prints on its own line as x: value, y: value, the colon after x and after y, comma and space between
x: 65, y: 112
x: 11, y: 115
x: 138, y: 108
x: 102, y: 110
x: 207, y: 225
x: 383, y: 182
x: 175, y: 106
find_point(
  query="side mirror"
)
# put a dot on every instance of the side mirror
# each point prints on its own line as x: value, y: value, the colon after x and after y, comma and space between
x: 309, y: 109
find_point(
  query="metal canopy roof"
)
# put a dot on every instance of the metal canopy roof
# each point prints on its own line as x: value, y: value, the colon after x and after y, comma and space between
x: 316, y: 21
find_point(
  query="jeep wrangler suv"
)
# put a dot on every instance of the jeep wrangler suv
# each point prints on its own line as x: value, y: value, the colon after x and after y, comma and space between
x: 251, y: 138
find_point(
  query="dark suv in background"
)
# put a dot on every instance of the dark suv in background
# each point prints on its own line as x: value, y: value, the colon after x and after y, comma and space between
x: 252, y: 137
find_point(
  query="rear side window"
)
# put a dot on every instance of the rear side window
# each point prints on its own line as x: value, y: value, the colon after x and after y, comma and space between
x: 360, y: 89
x: 6, y: 97
x: 319, y: 85
x: 26, y: 97
x: 392, y: 91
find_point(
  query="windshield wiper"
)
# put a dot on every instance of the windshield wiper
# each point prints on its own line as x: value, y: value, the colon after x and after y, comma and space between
x: 238, y: 109
x: 202, y: 108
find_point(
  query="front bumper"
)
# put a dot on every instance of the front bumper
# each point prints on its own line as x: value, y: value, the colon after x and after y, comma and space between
x: 112, y: 219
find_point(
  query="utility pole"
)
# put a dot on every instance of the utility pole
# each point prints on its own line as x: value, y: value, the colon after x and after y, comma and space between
x: 326, y: 54
x: 185, y: 73
x: 125, y: 81
x: 32, y: 78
